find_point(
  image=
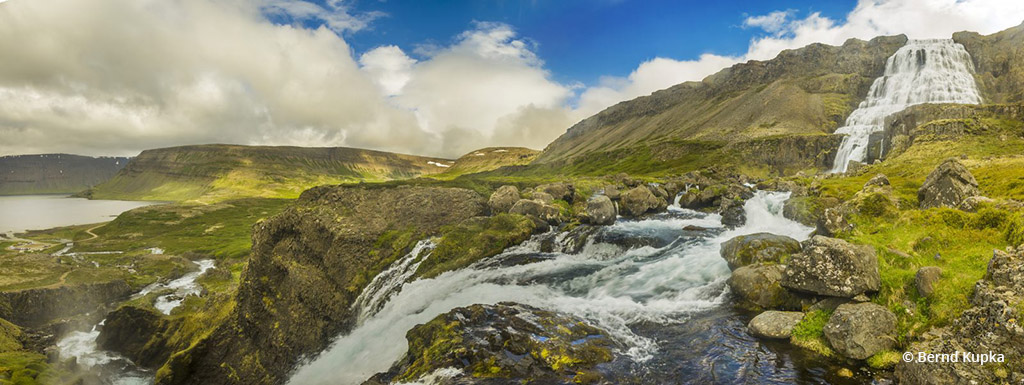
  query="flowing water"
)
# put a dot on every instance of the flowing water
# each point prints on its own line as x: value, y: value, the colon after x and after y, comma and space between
x: 666, y: 301
x: 922, y: 71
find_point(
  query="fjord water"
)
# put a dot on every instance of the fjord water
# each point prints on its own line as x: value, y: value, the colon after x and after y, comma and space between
x: 922, y: 71
x: 664, y: 298
x: 38, y: 212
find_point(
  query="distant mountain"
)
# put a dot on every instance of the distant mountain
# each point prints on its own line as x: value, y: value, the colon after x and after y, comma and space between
x: 55, y: 173
x: 218, y: 172
x: 490, y: 158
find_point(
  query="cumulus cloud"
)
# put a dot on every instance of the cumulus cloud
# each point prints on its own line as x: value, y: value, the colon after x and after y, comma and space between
x: 173, y: 72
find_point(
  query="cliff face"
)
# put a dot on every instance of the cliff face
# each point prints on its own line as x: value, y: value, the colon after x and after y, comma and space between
x: 999, y: 63
x: 55, y: 173
x: 810, y: 90
x: 219, y: 172
x: 35, y: 308
x: 308, y: 266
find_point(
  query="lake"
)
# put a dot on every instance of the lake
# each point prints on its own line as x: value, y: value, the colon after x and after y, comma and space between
x: 38, y: 212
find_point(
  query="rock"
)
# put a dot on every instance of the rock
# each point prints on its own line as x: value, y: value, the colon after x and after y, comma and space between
x: 808, y: 210
x: 834, y: 221
x: 991, y: 324
x: 947, y: 186
x: 658, y: 191
x: 733, y: 214
x: 853, y: 167
x: 925, y: 280
x: 543, y: 197
x: 513, y: 342
x: 545, y: 212
x: 833, y: 267
x: 130, y: 331
x: 561, y: 191
x: 601, y: 210
x: 972, y: 204
x: 879, y: 180
x: 774, y: 324
x: 503, y: 198
x: 759, y: 285
x: 693, y: 228
x: 758, y: 248
x: 845, y: 372
x: 612, y: 192
x: 639, y: 201
x: 860, y: 330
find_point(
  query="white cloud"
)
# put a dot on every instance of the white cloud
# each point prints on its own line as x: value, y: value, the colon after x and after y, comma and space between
x: 774, y: 22
x: 336, y: 15
x: 389, y: 67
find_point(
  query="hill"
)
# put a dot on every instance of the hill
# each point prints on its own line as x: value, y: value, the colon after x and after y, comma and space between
x: 487, y: 159
x: 211, y: 173
x: 55, y: 173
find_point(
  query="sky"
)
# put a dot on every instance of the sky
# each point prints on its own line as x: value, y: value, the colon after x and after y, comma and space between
x: 437, y: 78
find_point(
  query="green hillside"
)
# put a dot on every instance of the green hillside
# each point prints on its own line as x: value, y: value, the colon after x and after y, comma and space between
x: 211, y: 173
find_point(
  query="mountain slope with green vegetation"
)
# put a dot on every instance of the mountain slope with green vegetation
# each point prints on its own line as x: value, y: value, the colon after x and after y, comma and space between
x: 487, y: 159
x: 211, y: 173
x: 55, y: 173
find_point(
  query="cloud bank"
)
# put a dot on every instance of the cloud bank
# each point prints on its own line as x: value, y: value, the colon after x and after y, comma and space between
x: 172, y: 72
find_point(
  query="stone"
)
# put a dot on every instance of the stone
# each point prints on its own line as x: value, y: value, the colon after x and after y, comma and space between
x: 563, y: 191
x: 947, y: 186
x: 774, y: 324
x: 833, y: 267
x: 503, y: 198
x: 612, y: 192
x: 879, y: 180
x: 758, y: 248
x: 547, y: 213
x: 972, y: 204
x: 759, y: 285
x: 543, y: 197
x: 639, y: 201
x: 733, y: 214
x: 601, y: 210
x: 860, y: 330
x: 925, y: 280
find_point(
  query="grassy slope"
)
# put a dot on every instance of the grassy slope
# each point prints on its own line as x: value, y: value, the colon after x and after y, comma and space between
x: 214, y: 173
x: 487, y: 159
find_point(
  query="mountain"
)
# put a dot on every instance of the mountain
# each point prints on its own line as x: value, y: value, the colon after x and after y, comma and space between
x: 55, y: 173
x: 490, y: 158
x: 217, y: 172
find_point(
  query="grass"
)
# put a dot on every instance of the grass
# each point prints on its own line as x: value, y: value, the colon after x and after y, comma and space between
x: 809, y: 333
x: 467, y: 242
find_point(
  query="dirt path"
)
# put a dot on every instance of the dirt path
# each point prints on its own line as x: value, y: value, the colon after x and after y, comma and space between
x: 89, y: 231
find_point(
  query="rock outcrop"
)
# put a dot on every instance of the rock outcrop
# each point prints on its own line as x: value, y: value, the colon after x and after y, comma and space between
x: 860, y: 330
x: 947, y: 186
x: 833, y: 267
x: 758, y: 248
x: 774, y: 324
x: 503, y: 198
x: 36, y: 307
x: 508, y: 341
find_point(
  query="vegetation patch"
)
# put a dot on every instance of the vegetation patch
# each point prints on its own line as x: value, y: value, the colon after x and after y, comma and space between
x: 462, y: 244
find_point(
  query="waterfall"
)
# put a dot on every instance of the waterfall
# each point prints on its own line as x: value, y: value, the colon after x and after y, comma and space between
x: 611, y: 286
x: 923, y: 71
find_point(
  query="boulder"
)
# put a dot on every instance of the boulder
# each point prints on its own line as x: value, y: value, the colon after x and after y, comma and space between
x: 774, y: 324
x: 759, y: 285
x: 947, y: 186
x: 733, y: 214
x: 545, y: 212
x: 879, y: 180
x: 503, y: 198
x: 833, y: 267
x: 658, y: 191
x: 925, y: 280
x: 612, y: 192
x: 972, y: 204
x: 758, y: 248
x: 543, y: 197
x: 640, y: 200
x: 561, y: 191
x: 860, y: 330
x: 601, y: 210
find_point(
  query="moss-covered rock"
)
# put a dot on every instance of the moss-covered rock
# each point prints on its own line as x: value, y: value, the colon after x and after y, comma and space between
x: 758, y: 248
x: 508, y: 341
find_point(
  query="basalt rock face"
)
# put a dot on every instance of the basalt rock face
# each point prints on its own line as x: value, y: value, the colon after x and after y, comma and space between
x: 992, y: 324
x: 511, y: 342
x: 35, y: 308
x: 130, y: 331
x: 308, y: 265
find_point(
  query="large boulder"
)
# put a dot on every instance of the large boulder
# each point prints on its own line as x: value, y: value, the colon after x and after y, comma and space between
x: 760, y: 285
x: 774, y: 324
x: 947, y: 186
x: 503, y: 198
x: 509, y: 342
x: 563, y: 191
x: 833, y: 267
x: 601, y: 211
x: 758, y: 248
x: 860, y: 330
x: 925, y: 280
x: 639, y: 201
x: 545, y: 212
x: 612, y: 192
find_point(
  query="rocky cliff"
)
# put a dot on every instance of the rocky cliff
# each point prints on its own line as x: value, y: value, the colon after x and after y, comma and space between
x: 219, y: 172
x: 809, y: 90
x: 998, y: 63
x: 55, y: 173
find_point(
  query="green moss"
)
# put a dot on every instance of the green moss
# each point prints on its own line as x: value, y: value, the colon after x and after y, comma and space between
x: 25, y: 368
x: 1015, y: 229
x: 462, y: 244
x: 884, y: 360
x: 809, y: 333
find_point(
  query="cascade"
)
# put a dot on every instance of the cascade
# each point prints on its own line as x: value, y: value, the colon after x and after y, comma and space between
x: 922, y: 71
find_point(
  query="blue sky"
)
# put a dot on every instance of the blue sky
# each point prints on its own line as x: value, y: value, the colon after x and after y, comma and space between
x: 582, y: 40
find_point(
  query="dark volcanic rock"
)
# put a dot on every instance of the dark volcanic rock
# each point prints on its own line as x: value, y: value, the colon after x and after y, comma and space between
x: 833, y: 267
x: 37, y: 307
x: 304, y: 274
x: 947, y: 186
x: 130, y: 331
x: 508, y: 341
x: 758, y: 248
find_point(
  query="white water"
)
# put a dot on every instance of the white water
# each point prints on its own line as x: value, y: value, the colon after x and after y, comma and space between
x: 182, y: 287
x: 610, y: 287
x: 923, y: 71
